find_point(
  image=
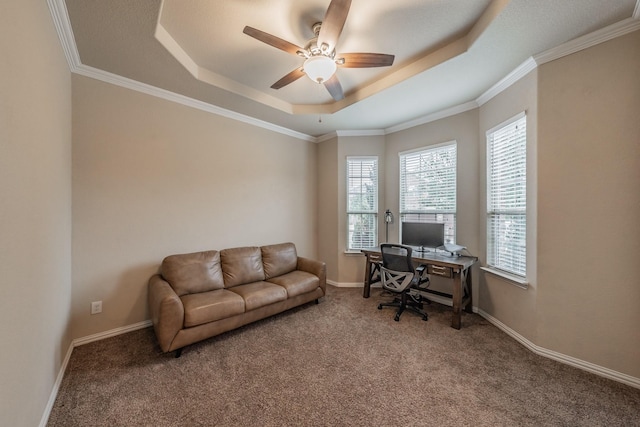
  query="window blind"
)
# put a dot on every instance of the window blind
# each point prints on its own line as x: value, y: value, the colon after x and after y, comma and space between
x: 507, y: 197
x: 428, y: 186
x: 362, y: 202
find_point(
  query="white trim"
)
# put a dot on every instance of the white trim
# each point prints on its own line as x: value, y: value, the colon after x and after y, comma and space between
x: 76, y: 343
x: 520, y: 282
x: 62, y: 23
x: 127, y: 83
x: 429, y: 147
x: 522, y: 70
x: 448, y: 112
x: 562, y: 358
x: 369, y: 132
x: 56, y: 387
x: 600, y: 36
x: 111, y: 333
x: 506, y: 123
x: 347, y: 284
x: 605, y: 34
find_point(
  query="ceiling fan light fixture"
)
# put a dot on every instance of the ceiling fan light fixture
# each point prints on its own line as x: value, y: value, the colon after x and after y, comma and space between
x: 319, y: 68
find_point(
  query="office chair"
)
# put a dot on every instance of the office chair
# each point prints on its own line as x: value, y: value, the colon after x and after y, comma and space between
x: 399, y: 277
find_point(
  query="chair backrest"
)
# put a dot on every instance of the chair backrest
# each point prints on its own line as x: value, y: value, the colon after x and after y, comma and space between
x: 396, y: 257
x: 397, y: 268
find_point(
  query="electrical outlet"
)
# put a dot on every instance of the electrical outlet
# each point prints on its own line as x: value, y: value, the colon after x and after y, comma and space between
x: 96, y: 307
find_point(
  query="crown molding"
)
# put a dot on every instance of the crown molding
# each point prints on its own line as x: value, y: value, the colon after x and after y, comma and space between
x: 461, y: 108
x: 600, y: 36
x: 62, y: 24
x: 65, y: 33
x: 137, y: 86
x: 588, y: 40
x: 522, y: 70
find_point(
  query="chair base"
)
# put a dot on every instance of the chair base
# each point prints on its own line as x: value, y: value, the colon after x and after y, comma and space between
x: 404, y: 303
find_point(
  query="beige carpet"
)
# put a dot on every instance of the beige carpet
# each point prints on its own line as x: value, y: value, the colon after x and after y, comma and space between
x: 339, y: 363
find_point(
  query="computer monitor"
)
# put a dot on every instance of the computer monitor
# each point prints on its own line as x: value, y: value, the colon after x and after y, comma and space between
x: 423, y: 235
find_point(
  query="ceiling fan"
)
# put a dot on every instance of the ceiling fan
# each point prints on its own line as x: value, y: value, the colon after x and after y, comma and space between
x: 321, y: 60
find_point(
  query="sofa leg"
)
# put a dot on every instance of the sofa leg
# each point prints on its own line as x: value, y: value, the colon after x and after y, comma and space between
x: 317, y: 301
x: 179, y: 352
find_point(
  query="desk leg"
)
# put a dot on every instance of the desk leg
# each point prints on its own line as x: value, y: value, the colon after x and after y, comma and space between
x: 456, y: 319
x: 467, y: 280
x: 367, y: 275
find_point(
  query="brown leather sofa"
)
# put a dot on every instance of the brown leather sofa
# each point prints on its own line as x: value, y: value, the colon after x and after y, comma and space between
x: 199, y: 295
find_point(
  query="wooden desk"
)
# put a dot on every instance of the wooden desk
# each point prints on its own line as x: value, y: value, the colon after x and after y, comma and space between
x: 457, y: 268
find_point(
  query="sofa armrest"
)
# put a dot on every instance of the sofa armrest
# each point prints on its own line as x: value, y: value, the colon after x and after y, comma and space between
x: 167, y: 311
x: 314, y: 267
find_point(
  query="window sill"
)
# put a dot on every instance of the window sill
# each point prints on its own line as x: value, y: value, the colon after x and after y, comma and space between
x: 353, y: 252
x: 513, y: 279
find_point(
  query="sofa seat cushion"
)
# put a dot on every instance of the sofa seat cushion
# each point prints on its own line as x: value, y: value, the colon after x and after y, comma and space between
x: 297, y: 282
x: 211, y: 306
x: 259, y: 294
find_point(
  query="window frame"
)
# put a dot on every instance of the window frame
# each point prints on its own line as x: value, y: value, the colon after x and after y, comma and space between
x: 448, y: 216
x: 372, y: 213
x: 514, y: 270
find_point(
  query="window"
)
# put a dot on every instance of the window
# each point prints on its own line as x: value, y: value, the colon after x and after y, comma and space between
x: 507, y: 196
x: 428, y: 186
x: 362, y: 202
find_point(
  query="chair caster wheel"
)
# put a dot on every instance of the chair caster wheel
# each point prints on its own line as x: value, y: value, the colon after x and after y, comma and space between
x: 424, y: 318
x: 396, y: 318
x: 379, y: 306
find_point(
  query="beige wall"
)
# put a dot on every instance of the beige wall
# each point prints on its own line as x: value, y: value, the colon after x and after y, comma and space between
x: 35, y: 210
x: 328, y: 213
x: 153, y: 178
x: 462, y: 128
x: 512, y: 305
x: 351, y: 267
x: 589, y: 205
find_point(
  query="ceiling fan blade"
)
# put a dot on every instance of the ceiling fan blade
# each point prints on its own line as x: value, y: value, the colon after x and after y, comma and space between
x: 333, y: 23
x: 289, y: 78
x: 365, y: 60
x: 334, y: 87
x: 272, y: 40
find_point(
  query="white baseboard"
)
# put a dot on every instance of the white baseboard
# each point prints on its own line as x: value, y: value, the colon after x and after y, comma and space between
x: 568, y: 360
x: 349, y: 285
x: 56, y: 387
x: 76, y: 343
x: 111, y: 333
x: 563, y: 358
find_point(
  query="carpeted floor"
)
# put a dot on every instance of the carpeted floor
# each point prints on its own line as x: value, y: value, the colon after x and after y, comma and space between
x: 339, y: 363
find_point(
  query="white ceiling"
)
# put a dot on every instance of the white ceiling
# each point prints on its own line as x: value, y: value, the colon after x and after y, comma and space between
x: 448, y: 53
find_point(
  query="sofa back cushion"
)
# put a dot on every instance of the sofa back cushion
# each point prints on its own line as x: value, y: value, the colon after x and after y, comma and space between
x: 193, y: 273
x: 241, y: 265
x: 279, y: 259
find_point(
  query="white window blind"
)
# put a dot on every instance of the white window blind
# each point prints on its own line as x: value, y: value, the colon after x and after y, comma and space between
x: 507, y: 197
x: 428, y: 186
x: 362, y: 202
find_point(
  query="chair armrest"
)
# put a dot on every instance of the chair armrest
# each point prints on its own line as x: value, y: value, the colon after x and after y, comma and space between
x: 317, y: 268
x: 166, y: 309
